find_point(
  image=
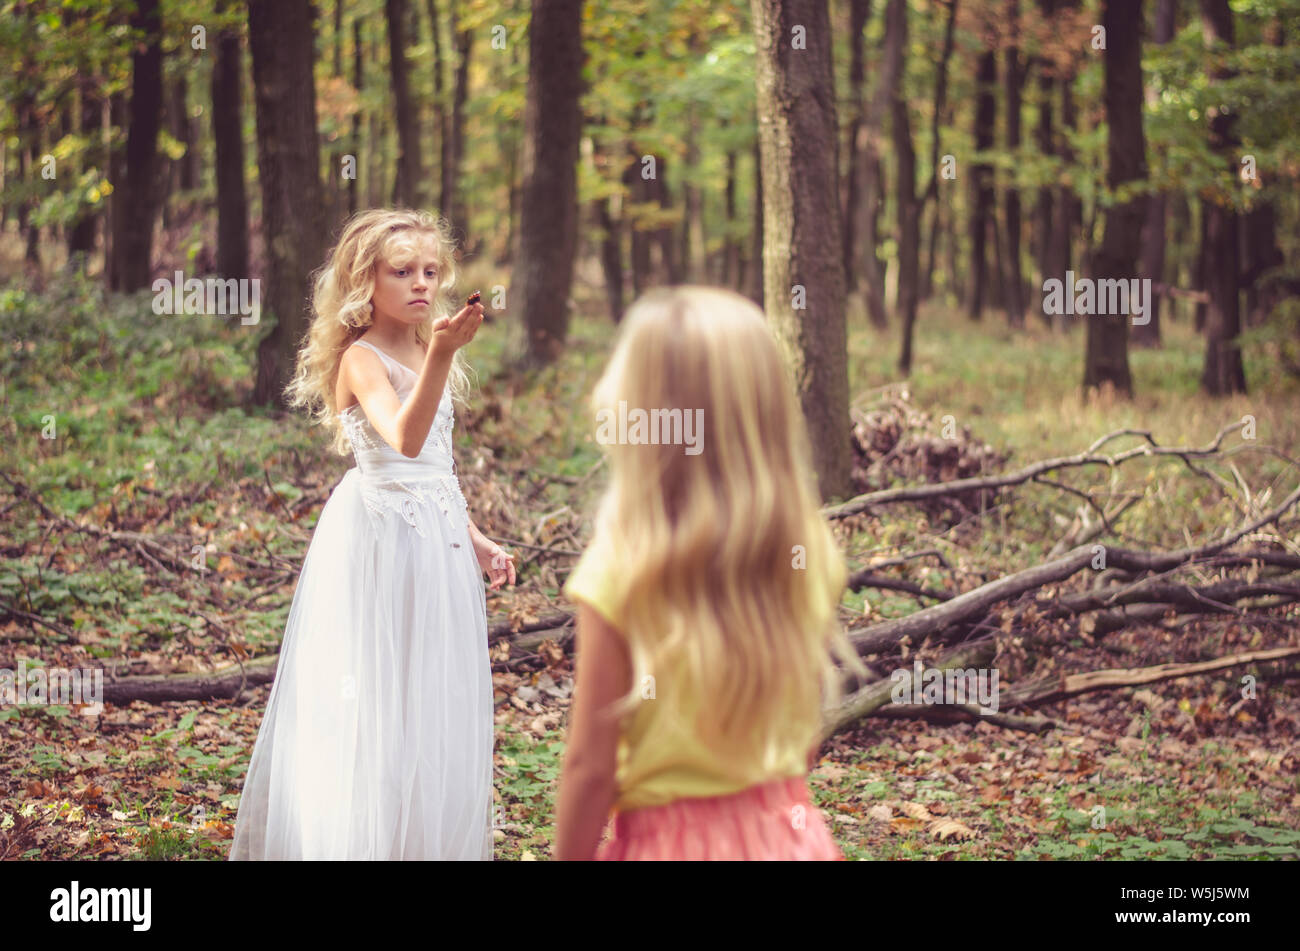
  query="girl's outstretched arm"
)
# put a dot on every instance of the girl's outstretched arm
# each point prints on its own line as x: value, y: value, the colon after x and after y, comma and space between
x: 587, y: 784
x: 405, y: 426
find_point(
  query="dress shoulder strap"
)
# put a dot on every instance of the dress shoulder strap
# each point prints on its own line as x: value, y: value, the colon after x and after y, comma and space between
x: 389, y: 362
x: 370, y: 346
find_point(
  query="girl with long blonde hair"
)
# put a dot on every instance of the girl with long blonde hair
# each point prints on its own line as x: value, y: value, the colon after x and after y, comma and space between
x: 707, y: 624
x: 377, y: 737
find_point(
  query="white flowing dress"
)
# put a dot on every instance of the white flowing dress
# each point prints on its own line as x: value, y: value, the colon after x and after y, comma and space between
x: 377, y: 737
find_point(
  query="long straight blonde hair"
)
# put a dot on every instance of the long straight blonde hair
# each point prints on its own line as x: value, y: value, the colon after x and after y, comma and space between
x: 729, y: 575
x: 342, y: 312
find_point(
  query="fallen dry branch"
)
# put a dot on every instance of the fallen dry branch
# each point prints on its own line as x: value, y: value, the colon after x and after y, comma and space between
x: 1217, y: 597
x: 867, y: 579
x: 1089, y: 457
x: 876, y: 699
x: 872, y: 697
x: 974, y: 604
x: 968, y: 713
x: 227, y: 683
x: 1071, y: 685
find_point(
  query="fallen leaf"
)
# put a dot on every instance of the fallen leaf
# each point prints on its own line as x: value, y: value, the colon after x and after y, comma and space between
x: 880, y: 813
x: 916, y: 810
x: 945, y: 828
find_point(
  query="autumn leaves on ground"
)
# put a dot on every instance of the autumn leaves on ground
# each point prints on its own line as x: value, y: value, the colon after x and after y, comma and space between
x: 153, y: 456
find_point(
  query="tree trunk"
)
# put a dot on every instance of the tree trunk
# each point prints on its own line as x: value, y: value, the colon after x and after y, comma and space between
x: 731, y: 249
x: 81, y: 236
x: 1043, y: 212
x: 1261, y: 251
x: 1067, y: 207
x: 756, y: 281
x: 859, y: 14
x: 1262, y: 254
x: 184, y: 132
x: 29, y: 133
x: 611, y: 242
x: 872, y: 198
x: 439, y: 100
x: 634, y: 182
x: 281, y: 36
x: 548, y: 225
x: 358, y: 83
x: 873, y: 269
x: 336, y: 185
x: 410, y: 186
x: 1106, y: 354
x: 116, y: 175
x: 692, y: 241
x: 1223, y: 372
x: 1153, y: 229
x: 228, y: 139
x: 1202, y: 273
x: 909, y: 205
x: 1013, y: 287
x: 452, y: 203
x: 32, y: 149
x: 669, y: 254
x: 139, y: 194
x: 801, y: 222
x: 982, y: 198
x: 936, y: 121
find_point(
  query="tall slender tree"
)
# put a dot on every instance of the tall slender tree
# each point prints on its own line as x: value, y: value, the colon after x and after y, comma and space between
x: 548, y: 225
x: 981, y: 187
x: 1153, y: 229
x: 802, y: 251
x: 409, y: 188
x: 859, y: 14
x: 1261, y: 254
x: 909, y: 204
x: 931, y: 194
x: 454, y: 141
x: 1223, y: 372
x: 281, y: 36
x: 1013, y: 78
x: 358, y: 83
x: 1106, y: 353
x: 863, y: 266
x: 228, y: 143
x: 1067, y: 209
x: 140, y: 191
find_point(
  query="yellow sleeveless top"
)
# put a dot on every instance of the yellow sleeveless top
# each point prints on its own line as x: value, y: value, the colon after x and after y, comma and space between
x: 659, y: 761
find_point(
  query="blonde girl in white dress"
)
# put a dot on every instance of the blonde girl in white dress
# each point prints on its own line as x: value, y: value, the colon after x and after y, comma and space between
x: 377, y: 737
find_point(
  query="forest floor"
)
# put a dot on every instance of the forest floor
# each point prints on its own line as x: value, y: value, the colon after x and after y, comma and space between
x: 153, y: 451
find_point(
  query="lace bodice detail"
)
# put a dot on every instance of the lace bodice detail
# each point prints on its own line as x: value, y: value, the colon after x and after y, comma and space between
x: 392, y: 482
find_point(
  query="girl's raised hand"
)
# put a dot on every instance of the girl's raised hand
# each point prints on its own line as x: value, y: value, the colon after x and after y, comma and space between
x: 452, y: 333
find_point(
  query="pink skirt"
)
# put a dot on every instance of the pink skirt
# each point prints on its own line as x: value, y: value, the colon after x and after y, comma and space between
x: 773, y: 821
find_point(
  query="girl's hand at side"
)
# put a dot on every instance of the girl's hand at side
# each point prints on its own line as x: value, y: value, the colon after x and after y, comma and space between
x: 492, y: 558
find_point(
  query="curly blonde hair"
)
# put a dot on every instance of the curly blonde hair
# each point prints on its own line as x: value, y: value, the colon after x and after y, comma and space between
x: 342, y: 312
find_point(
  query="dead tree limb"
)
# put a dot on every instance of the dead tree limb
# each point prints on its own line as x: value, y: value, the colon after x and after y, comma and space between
x: 1071, y: 685
x: 873, y: 696
x: 1089, y: 457
x: 226, y: 683
x: 969, y: 713
x: 975, y: 603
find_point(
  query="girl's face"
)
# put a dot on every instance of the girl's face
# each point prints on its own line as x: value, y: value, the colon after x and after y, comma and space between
x: 405, y: 292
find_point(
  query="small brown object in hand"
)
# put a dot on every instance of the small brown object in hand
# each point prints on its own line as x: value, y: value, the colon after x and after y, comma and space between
x: 472, y: 300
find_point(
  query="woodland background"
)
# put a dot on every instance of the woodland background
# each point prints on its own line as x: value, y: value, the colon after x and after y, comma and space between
x: 893, y: 181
